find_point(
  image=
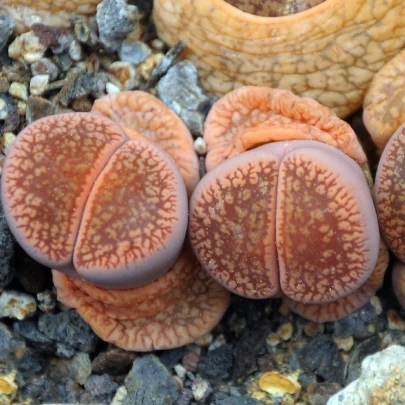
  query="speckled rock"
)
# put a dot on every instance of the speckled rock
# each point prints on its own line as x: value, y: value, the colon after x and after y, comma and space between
x: 100, y: 389
x: 6, y: 29
x: 28, y: 328
x: 78, y: 368
x: 115, y: 19
x: 17, y: 305
x: 55, y: 38
x: 150, y: 383
x: 7, y: 250
x: 179, y: 90
x: 215, y: 364
x: 77, y: 85
x: 27, y: 48
x: 319, y: 393
x: 45, y: 66
x: 38, y: 107
x: 322, y: 357
x: 11, y: 346
x: 170, y: 358
x: 68, y: 328
x: 382, y: 381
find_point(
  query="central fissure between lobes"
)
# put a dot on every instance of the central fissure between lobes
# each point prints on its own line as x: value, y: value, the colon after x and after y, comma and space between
x: 293, y: 218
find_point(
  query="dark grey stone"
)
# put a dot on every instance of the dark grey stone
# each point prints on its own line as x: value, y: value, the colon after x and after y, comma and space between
x: 180, y: 91
x: 100, y: 389
x: 216, y: 364
x: 64, y: 350
x: 322, y: 356
x: 31, y: 363
x: 150, y: 383
x: 242, y: 400
x: 362, y: 350
x: 115, y: 19
x: 45, y: 66
x: 318, y: 394
x: 55, y: 38
x: 356, y: 323
x: 170, y: 358
x: 38, y: 107
x: 77, y: 85
x: 114, y: 361
x: 6, y: 29
x: 69, y: 328
x: 7, y: 250
x: 28, y: 328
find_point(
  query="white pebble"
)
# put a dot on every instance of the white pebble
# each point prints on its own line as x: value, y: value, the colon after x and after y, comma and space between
x: 19, y: 91
x: 199, y: 146
x: 17, y: 305
x: 180, y: 371
x: 3, y: 109
x: 200, y: 388
x: 27, y: 48
x: 112, y: 88
x: 38, y: 84
x: 7, y: 140
x: 76, y: 50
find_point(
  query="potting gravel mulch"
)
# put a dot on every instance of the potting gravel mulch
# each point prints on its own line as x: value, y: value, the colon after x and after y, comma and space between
x: 260, y: 353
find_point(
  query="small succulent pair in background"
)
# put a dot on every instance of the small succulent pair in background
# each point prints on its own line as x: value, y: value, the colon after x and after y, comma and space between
x: 104, y: 201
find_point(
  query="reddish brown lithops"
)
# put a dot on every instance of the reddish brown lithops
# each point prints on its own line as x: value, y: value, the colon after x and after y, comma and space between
x: 186, y: 304
x: 253, y: 115
x: 340, y: 308
x: 144, y: 117
x: 82, y: 198
x: 295, y: 217
x: 389, y: 193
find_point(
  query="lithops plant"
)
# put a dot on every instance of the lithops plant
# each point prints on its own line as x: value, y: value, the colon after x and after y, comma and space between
x: 293, y: 218
x: 177, y: 309
x: 109, y: 214
x: 143, y: 116
x: 384, y: 103
x: 82, y: 198
x: 329, y: 52
x: 389, y: 193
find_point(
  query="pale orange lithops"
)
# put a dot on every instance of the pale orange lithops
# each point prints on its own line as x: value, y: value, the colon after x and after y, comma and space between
x: 384, y: 104
x: 143, y: 116
x: 186, y: 312
x: 254, y: 115
x: 27, y: 12
x: 329, y: 52
x: 294, y: 217
x: 82, y: 198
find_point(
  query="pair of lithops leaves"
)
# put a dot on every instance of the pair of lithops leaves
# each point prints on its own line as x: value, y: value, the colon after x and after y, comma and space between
x: 106, y: 206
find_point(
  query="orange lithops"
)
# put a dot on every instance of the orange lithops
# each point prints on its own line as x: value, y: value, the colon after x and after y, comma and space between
x: 82, y: 198
x: 254, y: 115
x: 329, y: 52
x: 143, y: 116
x: 183, y: 311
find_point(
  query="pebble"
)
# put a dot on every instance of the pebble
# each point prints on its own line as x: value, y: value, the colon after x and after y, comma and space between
x: 38, y: 107
x: 112, y: 88
x: 17, y: 305
x: 114, y: 361
x: 63, y: 62
x: 147, y: 67
x: 278, y: 384
x: 170, y: 358
x: 360, y: 352
x: 8, y: 387
x: 133, y: 52
x: 55, y: 38
x: 120, y: 396
x: 273, y: 340
x: 149, y: 382
x: 199, y: 146
x: 285, y: 331
x: 180, y: 91
x: 7, y: 251
x: 28, y: 328
x: 76, y: 51
x: 77, y: 85
x: 201, y: 389
x: 101, y: 388
x: 68, y: 328
x: 31, y: 275
x: 6, y: 141
x: 6, y: 29
x: 4, y: 84
x: 45, y: 66
x: 319, y: 393
x: 312, y: 328
x: 216, y: 364
x: 78, y: 368
x: 205, y: 340
x: 344, y: 344
x: 395, y: 321
x: 382, y: 380
x: 38, y: 84
x: 239, y: 400
x: 46, y: 301
x: 190, y: 360
x: 322, y: 356
x: 18, y: 90
x: 180, y: 371
x: 115, y: 19
x: 12, y: 346
x: 123, y: 75
x: 27, y: 48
